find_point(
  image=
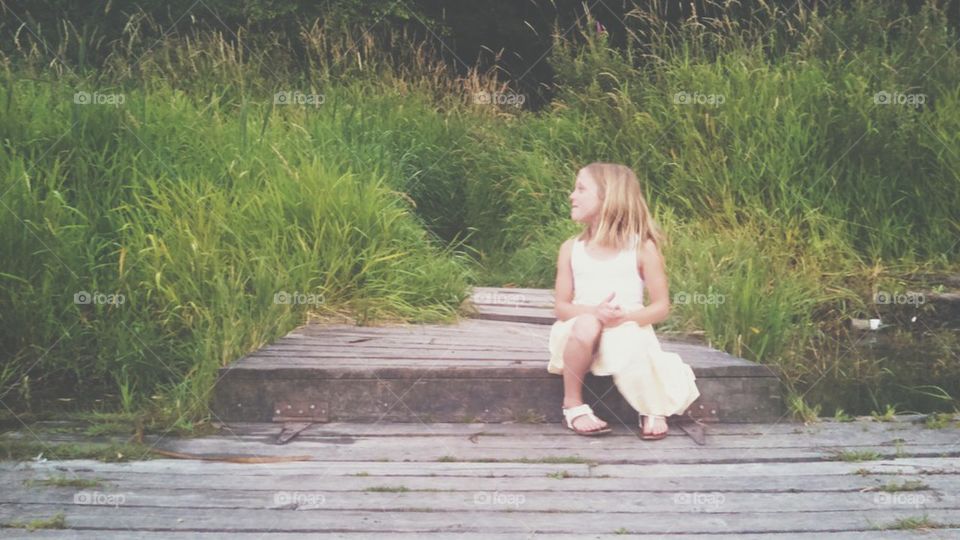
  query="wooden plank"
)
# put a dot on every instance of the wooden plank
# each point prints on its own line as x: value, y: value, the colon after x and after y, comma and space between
x: 97, y: 534
x: 705, y: 365
x: 563, y: 439
x: 571, y: 482
x: 401, y: 354
x: 914, y: 466
x: 420, y: 334
x: 487, y: 346
x: 554, y: 436
x: 463, y: 327
x: 514, y: 290
x: 325, y: 452
x: 787, y: 426
x: 603, y: 502
x: 174, y: 467
x: 380, y: 344
x: 535, y: 315
x: 259, y: 359
x: 505, y: 519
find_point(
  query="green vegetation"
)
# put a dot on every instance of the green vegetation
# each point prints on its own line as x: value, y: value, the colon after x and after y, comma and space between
x: 25, y: 450
x: 388, y: 489
x: 204, y: 217
x: 888, y: 415
x: 841, y: 416
x: 940, y: 420
x: 57, y: 521
x: 916, y: 522
x: 801, y: 410
x: 856, y: 455
x: 909, y: 485
x: 63, y: 481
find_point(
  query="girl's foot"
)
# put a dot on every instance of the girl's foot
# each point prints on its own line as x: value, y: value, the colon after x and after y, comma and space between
x: 654, y: 427
x: 586, y: 422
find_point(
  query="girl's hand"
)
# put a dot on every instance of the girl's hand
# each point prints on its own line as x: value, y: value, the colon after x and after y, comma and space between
x: 610, y: 315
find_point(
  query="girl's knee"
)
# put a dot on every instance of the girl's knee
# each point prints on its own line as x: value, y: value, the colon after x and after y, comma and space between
x: 587, y: 328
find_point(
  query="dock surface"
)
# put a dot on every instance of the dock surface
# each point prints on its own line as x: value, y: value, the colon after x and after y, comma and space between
x: 419, y: 480
x: 453, y: 431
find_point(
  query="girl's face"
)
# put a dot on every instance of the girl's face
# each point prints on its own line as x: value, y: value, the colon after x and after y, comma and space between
x: 585, y: 203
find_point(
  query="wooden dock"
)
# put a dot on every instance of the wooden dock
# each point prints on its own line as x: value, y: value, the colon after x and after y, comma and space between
x: 441, y: 480
x: 422, y: 432
x: 491, y: 368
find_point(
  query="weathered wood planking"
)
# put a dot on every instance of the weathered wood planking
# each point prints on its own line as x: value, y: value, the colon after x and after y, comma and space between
x: 174, y: 468
x: 781, y: 486
x: 513, y: 305
x: 435, y: 499
x: 419, y: 443
x: 148, y: 535
x: 482, y: 519
x: 476, y: 370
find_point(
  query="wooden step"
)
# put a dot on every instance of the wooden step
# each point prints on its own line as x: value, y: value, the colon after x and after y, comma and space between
x: 480, y: 370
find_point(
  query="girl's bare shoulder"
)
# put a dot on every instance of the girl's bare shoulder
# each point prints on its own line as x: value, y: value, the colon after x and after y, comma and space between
x: 567, y: 244
x: 648, y: 253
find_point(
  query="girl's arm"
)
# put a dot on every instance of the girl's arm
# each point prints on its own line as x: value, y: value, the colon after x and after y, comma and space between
x: 654, y: 276
x: 564, y: 308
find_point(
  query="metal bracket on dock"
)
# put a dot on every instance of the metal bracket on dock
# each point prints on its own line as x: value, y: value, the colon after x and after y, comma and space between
x: 297, y: 416
x: 694, y: 421
x: 301, y: 411
x: 703, y: 412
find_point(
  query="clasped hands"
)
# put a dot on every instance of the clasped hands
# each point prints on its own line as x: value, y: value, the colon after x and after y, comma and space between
x: 610, y: 315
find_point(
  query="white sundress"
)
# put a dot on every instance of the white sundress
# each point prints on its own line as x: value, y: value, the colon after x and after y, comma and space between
x: 653, y: 382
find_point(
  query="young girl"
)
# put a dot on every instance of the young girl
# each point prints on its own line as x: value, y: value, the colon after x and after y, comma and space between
x: 602, y: 323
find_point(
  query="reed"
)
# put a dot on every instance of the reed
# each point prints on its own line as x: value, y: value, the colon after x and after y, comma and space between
x: 786, y: 188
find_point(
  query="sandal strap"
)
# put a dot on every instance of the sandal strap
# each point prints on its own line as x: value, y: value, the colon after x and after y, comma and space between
x: 573, y: 413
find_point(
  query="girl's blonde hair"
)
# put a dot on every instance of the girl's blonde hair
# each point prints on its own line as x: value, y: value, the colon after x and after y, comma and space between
x: 624, y: 212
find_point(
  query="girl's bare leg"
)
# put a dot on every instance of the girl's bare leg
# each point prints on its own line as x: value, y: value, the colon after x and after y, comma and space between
x: 577, y: 357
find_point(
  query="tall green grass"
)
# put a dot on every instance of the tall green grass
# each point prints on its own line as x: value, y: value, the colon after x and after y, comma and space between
x: 200, y: 198
x: 789, y: 191
x: 198, y: 220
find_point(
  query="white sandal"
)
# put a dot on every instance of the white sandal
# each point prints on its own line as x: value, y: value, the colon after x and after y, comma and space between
x: 571, y: 414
